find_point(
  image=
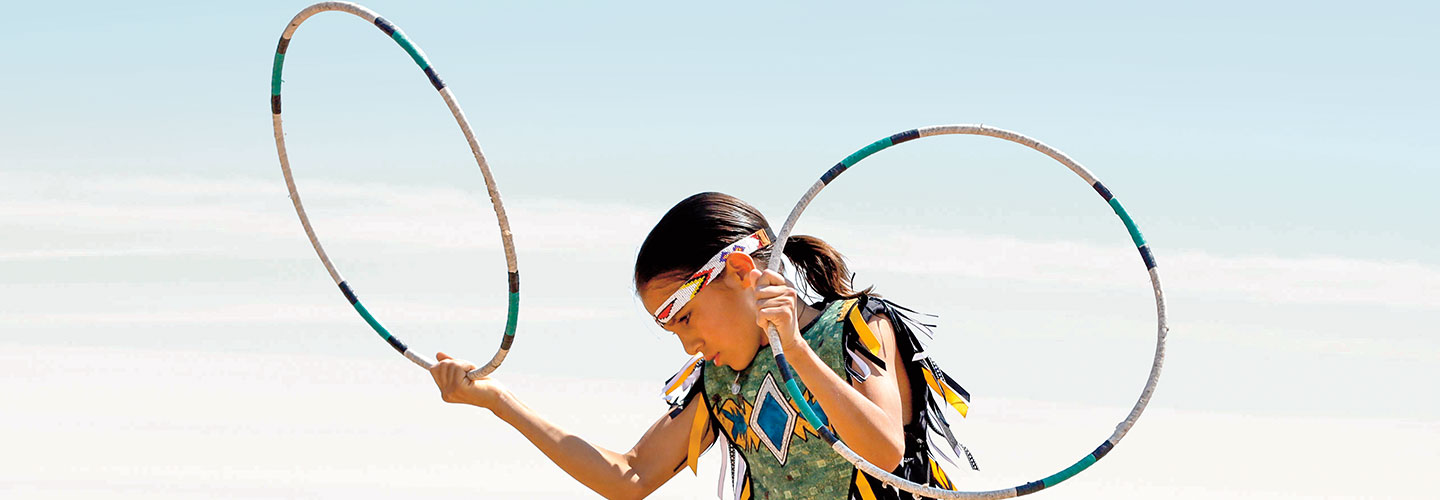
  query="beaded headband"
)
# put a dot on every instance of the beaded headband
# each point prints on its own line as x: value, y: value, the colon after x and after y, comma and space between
x: 707, y: 273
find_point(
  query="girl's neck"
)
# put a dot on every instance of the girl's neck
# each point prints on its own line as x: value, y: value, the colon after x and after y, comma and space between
x: 807, y: 315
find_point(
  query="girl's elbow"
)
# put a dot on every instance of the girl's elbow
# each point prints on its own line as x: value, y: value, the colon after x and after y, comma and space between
x: 634, y: 486
x: 890, y: 461
x: 628, y: 491
x: 889, y: 455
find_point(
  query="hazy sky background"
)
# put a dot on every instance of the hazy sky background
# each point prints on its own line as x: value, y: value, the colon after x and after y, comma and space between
x: 169, y: 333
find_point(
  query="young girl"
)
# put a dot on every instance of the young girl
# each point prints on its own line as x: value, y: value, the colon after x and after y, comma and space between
x: 699, y: 273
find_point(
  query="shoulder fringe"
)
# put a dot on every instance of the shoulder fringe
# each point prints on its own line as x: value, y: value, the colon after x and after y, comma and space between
x: 907, y: 329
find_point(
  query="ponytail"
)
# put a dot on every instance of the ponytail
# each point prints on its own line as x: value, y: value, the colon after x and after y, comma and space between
x: 822, y: 268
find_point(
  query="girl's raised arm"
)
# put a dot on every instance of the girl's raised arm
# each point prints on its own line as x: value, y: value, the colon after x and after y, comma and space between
x: 654, y: 459
x: 870, y: 415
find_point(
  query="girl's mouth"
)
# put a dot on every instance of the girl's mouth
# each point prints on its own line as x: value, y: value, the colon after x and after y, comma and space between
x: 711, y: 358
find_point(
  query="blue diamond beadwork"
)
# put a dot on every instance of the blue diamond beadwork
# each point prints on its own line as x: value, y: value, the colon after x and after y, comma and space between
x: 773, y: 418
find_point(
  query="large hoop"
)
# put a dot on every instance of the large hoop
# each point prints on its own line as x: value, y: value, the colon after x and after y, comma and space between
x: 788, y: 374
x: 394, y: 33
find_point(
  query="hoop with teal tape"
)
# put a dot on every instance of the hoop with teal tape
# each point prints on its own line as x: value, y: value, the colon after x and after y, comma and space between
x: 1146, y: 256
x: 513, y: 278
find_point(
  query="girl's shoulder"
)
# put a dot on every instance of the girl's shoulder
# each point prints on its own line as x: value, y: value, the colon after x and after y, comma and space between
x: 870, y: 308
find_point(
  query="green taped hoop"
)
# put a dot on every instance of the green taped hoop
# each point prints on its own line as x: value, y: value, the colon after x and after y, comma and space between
x: 513, y: 298
x: 927, y: 491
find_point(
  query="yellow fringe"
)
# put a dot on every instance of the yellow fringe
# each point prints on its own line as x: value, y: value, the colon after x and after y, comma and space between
x: 950, y: 396
x: 941, y: 480
x: 863, y: 486
x: 697, y: 435
x: 867, y: 337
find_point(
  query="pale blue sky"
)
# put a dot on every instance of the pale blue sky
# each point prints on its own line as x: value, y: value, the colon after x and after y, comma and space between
x: 1279, y: 156
x: 1296, y: 127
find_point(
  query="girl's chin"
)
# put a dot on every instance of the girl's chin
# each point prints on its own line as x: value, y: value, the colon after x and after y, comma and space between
x: 724, y: 360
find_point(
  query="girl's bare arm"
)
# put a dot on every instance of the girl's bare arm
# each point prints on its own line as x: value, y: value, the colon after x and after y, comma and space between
x: 654, y: 459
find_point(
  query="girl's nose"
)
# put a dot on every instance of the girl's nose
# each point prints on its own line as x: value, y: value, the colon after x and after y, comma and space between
x: 690, y: 343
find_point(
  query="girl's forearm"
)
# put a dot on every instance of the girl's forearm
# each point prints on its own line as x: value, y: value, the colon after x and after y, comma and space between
x: 606, y: 472
x: 863, y: 424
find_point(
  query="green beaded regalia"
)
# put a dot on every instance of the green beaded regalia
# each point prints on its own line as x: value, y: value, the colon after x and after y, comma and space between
x: 772, y: 453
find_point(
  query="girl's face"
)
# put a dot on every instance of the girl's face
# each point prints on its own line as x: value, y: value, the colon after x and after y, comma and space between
x: 720, y: 321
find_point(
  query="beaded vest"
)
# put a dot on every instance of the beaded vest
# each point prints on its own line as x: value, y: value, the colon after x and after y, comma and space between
x: 785, y: 457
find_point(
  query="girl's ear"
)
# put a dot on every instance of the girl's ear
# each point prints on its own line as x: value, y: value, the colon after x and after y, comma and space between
x: 740, y: 265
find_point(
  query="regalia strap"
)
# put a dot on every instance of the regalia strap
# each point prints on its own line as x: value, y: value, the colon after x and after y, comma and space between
x: 697, y: 436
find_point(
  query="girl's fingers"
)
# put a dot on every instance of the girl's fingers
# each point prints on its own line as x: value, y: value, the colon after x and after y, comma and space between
x: 778, y: 316
x: 774, y: 301
x: 779, y: 310
x: 449, y: 375
x: 462, y: 364
x: 765, y: 320
x: 785, y: 297
x: 772, y: 291
x: 769, y: 278
x: 751, y: 279
x: 447, y: 360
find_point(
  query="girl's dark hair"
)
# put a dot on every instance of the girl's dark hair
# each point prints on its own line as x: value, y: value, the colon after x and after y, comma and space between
x: 695, y: 229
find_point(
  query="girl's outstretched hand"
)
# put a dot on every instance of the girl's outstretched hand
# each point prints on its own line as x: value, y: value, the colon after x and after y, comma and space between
x: 778, y: 304
x: 449, y: 375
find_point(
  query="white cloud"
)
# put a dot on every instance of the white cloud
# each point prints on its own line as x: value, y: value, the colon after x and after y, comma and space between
x: 245, y: 217
x: 1310, y: 280
x: 73, y: 253
x: 88, y: 216
x: 286, y: 313
x: 1266, y: 279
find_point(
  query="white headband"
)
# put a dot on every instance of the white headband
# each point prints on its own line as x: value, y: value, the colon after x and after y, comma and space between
x: 708, y: 272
